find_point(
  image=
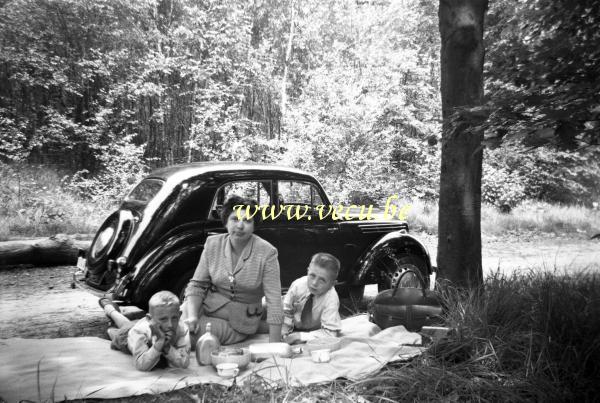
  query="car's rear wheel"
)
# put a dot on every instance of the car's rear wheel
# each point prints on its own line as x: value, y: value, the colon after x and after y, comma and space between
x: 389, y: 265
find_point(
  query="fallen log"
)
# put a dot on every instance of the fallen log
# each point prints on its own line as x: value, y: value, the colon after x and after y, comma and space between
x: 57, y: 250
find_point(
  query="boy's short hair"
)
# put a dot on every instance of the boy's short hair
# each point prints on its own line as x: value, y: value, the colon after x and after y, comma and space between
x: 163, y: 298
x: 326, y: 261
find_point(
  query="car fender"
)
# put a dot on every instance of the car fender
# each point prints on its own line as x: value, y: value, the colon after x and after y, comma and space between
x: 167, y: 272
x: 178, y: 253
x: 396, y: 239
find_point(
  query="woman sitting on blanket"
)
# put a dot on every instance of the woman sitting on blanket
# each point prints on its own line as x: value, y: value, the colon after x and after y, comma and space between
x: 235, y: 271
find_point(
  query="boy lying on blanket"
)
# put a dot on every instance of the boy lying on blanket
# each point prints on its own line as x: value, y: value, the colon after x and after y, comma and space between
x: 311, y: 305
x: 155, y: 341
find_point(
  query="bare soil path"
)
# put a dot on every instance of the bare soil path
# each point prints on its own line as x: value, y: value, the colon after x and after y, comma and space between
x: 40, y: 303
x: 548, y: 254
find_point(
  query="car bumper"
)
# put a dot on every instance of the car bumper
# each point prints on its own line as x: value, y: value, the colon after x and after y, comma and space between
x: 78, y: 281
x: 117, y: 292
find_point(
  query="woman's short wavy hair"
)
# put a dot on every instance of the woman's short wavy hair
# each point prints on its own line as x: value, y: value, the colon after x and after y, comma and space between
x: 235, y: 200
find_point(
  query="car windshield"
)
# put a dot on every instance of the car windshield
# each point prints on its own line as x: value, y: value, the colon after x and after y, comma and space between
x: 145, y: 191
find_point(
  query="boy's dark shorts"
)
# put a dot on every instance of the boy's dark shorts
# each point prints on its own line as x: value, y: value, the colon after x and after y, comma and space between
x: 118, y: 340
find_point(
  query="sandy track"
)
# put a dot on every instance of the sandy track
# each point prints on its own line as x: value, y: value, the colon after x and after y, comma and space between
x: 39, y: 303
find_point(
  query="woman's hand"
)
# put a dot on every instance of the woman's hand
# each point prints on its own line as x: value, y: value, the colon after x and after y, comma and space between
x: 274, y: 333
x: 192, y: 324
x: 292, y: 338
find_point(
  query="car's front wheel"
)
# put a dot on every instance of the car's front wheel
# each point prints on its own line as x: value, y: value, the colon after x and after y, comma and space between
x: 389, y: 266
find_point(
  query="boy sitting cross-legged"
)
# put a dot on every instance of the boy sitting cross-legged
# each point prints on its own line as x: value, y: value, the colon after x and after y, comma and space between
x: 157, y: 340
x: 311, y: 305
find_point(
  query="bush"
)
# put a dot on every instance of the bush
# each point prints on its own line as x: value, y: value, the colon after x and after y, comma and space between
x: 34, y: 203
x: 512, y: 174
x: 500, y: 188
x: 123, y: 167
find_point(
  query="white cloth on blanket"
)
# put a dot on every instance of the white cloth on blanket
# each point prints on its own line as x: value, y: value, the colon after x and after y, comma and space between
x: 65, y: 371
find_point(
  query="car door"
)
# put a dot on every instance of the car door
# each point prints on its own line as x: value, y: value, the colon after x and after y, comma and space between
x: 324, y: 228
x: 299, y: 234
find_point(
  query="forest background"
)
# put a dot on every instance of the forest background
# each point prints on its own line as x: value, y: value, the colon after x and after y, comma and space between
x: 94, y: 94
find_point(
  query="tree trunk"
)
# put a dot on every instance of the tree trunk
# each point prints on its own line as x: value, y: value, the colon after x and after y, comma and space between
x: 286, y: 62
x: 459, y: 232
x: 56, y: 250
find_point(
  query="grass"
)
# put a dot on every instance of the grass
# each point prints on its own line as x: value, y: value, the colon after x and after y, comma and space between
x: 528, y: 217
x: 542, y: 217
x: 33, y: 202
x: 524, y: 337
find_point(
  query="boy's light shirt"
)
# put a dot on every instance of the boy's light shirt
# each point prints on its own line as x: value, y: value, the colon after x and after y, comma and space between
x: 325, y: 310
x: 145, y: 356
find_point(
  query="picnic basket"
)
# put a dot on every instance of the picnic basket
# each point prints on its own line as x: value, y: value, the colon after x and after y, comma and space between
x: 408, y: 306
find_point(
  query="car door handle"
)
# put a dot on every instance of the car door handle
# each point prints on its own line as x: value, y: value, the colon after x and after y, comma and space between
x: 331, y: 230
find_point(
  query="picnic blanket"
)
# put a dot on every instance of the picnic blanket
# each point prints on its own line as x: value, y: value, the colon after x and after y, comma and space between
x: 86, y: 367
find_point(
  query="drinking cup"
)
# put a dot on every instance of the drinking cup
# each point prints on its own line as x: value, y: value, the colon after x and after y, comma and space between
x: 228, y: 369
x: 321, y: 355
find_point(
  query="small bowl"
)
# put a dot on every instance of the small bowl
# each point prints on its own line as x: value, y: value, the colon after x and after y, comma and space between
x: 323, y: 355
x: 325, y: 343
x: 229, y: 355
x: 227, y: 369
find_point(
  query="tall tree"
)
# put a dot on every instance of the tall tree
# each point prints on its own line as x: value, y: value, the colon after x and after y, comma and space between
x: 462, y: 52
x: 286, y: 61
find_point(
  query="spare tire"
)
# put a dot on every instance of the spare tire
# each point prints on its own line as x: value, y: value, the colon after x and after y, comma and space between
x: 109, y: 241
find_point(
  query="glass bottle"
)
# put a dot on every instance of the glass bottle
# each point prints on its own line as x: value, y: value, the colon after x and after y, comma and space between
x: 207, y: 343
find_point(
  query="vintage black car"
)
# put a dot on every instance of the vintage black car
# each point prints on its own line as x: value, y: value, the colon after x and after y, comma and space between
x: 155, y: 238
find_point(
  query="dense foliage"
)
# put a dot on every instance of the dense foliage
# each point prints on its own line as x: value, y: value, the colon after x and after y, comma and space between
x: 542, y: 80
x: 346, y: 89
x: 543, y: 66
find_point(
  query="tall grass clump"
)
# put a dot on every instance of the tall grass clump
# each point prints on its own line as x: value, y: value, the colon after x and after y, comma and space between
x: 528, y: 217
x: 523, y: 337
x: 34, y: 202
x: 423, y: 216
x: 541, y: 217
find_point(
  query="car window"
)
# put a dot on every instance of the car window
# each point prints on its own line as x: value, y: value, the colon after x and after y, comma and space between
x: 298, y: 193
x: 257, y: 190
x: 145, y: 190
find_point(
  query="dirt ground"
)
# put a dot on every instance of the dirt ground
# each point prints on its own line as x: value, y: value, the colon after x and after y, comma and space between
x: 40, y: 303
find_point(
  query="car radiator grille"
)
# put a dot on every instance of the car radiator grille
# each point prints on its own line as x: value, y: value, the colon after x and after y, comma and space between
x: 370, y: 228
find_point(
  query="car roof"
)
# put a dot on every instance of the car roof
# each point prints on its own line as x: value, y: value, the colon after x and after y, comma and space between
x: 185, y: 171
